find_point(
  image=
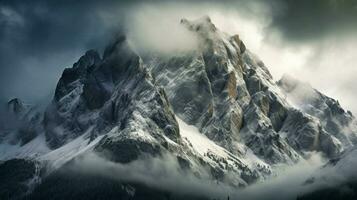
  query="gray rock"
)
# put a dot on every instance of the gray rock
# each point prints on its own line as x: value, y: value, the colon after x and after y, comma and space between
x: 305, y: 132
x: 333, y: 118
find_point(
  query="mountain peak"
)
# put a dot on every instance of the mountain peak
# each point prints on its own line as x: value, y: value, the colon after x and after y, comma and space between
x: 15, y: 105
x: 211, y: 36
x: 203, y: 24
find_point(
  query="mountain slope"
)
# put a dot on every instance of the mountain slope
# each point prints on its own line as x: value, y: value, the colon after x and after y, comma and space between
x: 333, y: 118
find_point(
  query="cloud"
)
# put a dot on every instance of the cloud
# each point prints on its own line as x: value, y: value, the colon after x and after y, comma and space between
x: 156, y: 25
x: 309, y: 20
x: 329, y: 65
x: 39, y: 38
x: 157, y: 28
x: 164, y: 173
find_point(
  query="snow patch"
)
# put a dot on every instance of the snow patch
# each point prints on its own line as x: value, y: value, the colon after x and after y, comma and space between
x: 60, y: 156
x: 199, y: 142
x: 33, y: 149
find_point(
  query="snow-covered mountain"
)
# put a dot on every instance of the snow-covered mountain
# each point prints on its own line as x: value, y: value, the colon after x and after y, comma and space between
x: 215, y: 109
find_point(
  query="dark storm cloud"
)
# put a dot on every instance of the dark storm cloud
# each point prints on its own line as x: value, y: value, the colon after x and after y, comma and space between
x: 300, y: 20
x: 39, y: 38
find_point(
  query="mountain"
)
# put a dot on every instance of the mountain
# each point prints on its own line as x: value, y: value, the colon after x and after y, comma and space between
x: 215, y: 111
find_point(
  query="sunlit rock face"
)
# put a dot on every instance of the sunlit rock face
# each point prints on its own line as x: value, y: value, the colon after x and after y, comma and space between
x: 216, y: 87
x: 229, y: 94
x: 214, y: 109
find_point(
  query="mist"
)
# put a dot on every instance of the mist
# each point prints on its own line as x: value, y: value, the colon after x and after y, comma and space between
x: 164, y: 173
x: 150, y: 30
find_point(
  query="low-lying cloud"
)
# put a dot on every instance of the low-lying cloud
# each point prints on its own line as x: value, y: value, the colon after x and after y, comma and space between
x: 164, y: 173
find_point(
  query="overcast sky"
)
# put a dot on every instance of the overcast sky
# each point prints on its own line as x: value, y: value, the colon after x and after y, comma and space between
x: 313, y: 40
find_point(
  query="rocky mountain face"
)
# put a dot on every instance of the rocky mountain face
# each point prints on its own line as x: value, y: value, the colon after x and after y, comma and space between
x: 229, y: 94
x: 215, y: 108
x: 116, y: 95
x: 333, y: 118
x: 226, y: 93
